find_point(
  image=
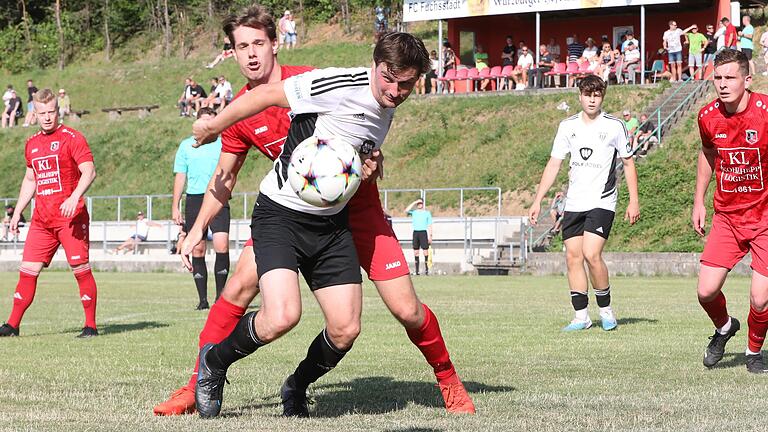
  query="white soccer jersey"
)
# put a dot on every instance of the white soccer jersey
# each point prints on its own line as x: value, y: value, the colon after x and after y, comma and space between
x: 593, y: 148
x: 333, y: 102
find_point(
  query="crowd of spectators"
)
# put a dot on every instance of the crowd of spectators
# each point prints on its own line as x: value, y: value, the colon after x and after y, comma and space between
x: 14, y: 107
x: 194, y: 96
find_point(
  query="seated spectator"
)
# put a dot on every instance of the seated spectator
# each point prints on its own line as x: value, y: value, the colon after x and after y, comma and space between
x: 226, y: 52
x: 545, y: 65
x: 575, y: 49
x: 449, y: 62
x: 140, y: 235
x: 607, y: 61
x: 590, y: 51
x: 631, y: 124
x: 7, y: 97
x: 481, y: 62
x: 554, y: 49
x: 629, y: 37
x: 64, y: 105
x: 509, y: 53
x: 197, y: 97
x: 30, y: 119
x: 645, y: 136
x: 185, y: 100
x: 14, y: 234
x: 13, y: 111
x: 221, y: 94
x: 428, y: 81
x: 524, y: 65
x: 631, y: 64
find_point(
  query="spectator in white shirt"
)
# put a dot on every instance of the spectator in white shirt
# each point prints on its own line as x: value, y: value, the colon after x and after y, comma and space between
x: 524, y: 64
x: 631, y: 63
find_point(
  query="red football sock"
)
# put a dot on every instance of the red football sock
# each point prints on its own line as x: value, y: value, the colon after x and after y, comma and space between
x: 22, y: 298
x: 717, y: 310
x: 222, y: 319
x: 87, y: 285
x: 758, y: 325
x: 429, y: 340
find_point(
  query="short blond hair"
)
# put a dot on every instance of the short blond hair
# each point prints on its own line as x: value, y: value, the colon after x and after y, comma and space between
x: 44, y: 96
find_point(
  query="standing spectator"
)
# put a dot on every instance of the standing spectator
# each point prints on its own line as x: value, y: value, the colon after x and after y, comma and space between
x: 64, y: 104
x: 607, y: 60
x: 226, y: 52
x: 509, y: 53
x: 422, y: 232
x: 645, y: 136
x: 764, y: 44
x: 575, y: 49
x: 554, y: 49
x: 30, y: 118
x: 140, y: 235
x: 281, y: 28
x: 449, y: 62
x: 674, y: 47
x: 711, y: 47
x: 289, y: 25
x: 629, y: 37
x: 546, y: 63
x: 731, y: 35
x: 720, y: 37
x: 697, y: 42
x: 556, y: 211
x: 631, y: 64
x: 524, y: 65
x: 746, y: 43
x: 12, y: 111
x: 380, y: 23
x: 428, y: 81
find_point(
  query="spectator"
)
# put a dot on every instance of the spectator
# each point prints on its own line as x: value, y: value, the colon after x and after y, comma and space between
x: 556, y: 212
x: 422, y: 232
x: 140, y: 235
x: 226, y: 52
x: 223, y: 93
x: 607, y: 60
x: 196, y: 98
x: 7, y: 96
x: 428, y: 81
x: 481, y: 62
x: 520, y: 46
x: 764, y: 44
x: 631, y: 64
x: 697, y: 42
x: 449, y: 62
x: 590, y: 51
x: 289, y: 26
x: 12, y: 111
x: 720, y: 36
x: 64, y: 105
x: 674, y: 47
x: 509, y: 53
x: 575, y: 49
x: 746, y: 43
x: 546, y: 63
x: 731, y: 36
x: 14, y: 234
x: 524, y: 65
x: 30, y: 119
x: 629, y: 37
x: 631, y: 124
x: 711, y: 47
x: 554, y: 49
x: 645, y: 136
x: 185, y: 100
x: 380, y: 22
x: 214, y: 84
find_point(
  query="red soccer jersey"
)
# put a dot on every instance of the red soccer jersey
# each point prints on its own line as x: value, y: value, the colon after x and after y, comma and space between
x: 55, y: 158
x: 266, y: 130
x: 741, y: 161
x: 730, y: 34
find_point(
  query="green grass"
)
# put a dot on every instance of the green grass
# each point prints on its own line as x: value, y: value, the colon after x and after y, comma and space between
x: 503, y: 333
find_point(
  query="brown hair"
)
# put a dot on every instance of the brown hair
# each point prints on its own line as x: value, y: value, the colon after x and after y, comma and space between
x: 402, y: 51
x: 592, y: 84
x: 206, y: 110
x: 44, y: 96
x: 732, y: 56
x: 254, y: 16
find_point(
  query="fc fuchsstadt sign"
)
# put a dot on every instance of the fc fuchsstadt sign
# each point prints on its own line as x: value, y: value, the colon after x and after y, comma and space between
x: 424, y: 10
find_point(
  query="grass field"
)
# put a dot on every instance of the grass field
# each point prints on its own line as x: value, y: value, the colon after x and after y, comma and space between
x: 504, y: 334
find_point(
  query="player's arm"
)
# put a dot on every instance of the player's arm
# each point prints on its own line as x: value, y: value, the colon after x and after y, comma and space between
x: 26, y: 193
x: 216, y: 196
x: 704, y: 169
x: 630, y: 173
x: 547, y: 180
x: 179, y: 180
x: 247, y: 105
x: 87, y: 176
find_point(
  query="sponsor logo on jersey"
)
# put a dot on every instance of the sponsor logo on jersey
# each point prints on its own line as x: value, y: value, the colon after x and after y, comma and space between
x: 360, y: 116
x: 721, y: 136
x: 47, y: 174
x: 54, y: 145
x: 603, y: 135
x: 585, y: 152
x: 392, y: 265
x: 751, y: 136
x: 629, y: 147
x: 367, y: 147
x: 34, y: 150
x: 260, y: 130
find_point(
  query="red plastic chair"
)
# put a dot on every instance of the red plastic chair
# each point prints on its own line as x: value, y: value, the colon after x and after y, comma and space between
x: 450, y: 75
x: 495, y: 74
x: 506, y: 74
x: 557, y: 71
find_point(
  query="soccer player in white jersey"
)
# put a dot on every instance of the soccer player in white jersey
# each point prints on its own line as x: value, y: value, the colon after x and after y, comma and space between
x: 594, y: 139
x: 355, y: 105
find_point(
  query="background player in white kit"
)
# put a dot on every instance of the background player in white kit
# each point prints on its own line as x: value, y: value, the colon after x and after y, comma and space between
x: 594, y: 139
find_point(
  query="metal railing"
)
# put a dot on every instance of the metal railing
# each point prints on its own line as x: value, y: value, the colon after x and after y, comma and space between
x: 462, y: 192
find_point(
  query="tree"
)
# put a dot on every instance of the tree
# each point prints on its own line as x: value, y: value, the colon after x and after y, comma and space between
x: 107, y: 40
x: 60, y: 31
x: 166, y: 29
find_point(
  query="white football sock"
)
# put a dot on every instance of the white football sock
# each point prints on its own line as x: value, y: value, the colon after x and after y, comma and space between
x: 726, y: 328
x: 749, y: 352
x: 582, y: 315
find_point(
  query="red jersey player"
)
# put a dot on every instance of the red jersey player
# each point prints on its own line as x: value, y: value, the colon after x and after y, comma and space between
x: 734, y: 144
x: 59, y: 171
x: 255, y: 42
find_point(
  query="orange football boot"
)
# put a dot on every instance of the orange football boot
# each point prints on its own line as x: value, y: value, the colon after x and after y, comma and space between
x: 182, y: 401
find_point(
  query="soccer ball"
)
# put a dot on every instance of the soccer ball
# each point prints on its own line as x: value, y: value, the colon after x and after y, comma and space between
x: 324, y: 172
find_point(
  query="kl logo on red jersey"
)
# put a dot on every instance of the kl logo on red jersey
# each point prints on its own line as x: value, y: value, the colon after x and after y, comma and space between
x: 47, y: 174
x: 740, y: 170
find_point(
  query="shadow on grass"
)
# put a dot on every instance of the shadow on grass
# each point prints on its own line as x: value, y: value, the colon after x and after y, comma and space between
x: 115, y: 328
x: 731, y: 360
x: 630, y: 321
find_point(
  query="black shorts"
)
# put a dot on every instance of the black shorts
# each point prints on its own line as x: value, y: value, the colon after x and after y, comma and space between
x: 596, y: 221
x: 321, y: 247
x: 220, y: 222
x: 747, y: 52
x: 420, y: 240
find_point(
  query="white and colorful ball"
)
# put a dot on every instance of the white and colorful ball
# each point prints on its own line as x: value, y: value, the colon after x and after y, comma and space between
x: 324, y: 171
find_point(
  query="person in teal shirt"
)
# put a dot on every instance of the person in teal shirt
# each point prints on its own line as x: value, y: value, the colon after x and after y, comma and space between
x: 746, y: 44
x: 421, y: 219
x: 195, y: 167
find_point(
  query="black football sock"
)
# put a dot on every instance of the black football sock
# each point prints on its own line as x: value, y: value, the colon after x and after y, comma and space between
x: 426, y: 263
x: 242, y: 342
x: 200, y: 275
x: 603, y: 297
x: 417, y: 264
x: 221, y: 271
x: 322, y: 356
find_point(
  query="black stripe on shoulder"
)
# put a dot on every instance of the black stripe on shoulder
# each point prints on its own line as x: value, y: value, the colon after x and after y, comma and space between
x: 621, y: 122
x: 340, y: 76
x: 338, y: 86
x: 331, y: 83
x: 573, y: 117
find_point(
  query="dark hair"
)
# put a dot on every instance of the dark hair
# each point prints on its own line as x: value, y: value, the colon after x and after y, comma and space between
x: 254, y: 16
x: 725, y: 20
x: 206, y: 110
x: 402, y: 51
x: 592, y: 84
x: 732, y: 56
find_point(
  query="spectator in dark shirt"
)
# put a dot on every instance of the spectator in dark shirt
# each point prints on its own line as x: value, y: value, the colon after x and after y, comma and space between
x: 545, y: 65
x: 711, y: 48
x: 509, y: 53
x: 575, y: 49
x: 30, y: 119
x: 197, y: 95
x: 645, y: 135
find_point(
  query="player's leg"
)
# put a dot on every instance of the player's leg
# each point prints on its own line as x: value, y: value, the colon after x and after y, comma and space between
x: 220, y: 228
x: 573, y: 238
x: 74, y: 240
x: 597, y: 228
x: 415, y: 242
x: 758, y: 302
x: 425, y: 252
x: 192, y: 205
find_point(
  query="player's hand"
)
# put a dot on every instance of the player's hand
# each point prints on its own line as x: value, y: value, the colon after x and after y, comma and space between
x: 177, y: 218
x: 633, y: 213
x: 533, y: 213
x: 14, y: 223
x: 699, y: 219
x: 68, y: 206
x: 190, y: 241
x: 374, y: 166
x: 203, y: 132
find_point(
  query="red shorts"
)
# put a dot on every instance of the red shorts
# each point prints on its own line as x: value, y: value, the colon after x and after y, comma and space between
x: 727, y: 245
x: 377, y: 246
x: 42, y: 242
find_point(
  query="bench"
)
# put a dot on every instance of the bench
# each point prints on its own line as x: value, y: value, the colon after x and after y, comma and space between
x: 76, y: 116
x: 144, y: 111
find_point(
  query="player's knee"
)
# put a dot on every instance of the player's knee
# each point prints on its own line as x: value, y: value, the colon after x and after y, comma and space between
x: 759, y: 304
x: 574, y: 257
x: 238, y: 292
x: 279, y: 323
x: 409, y: 315
x: 593, y: 258
x: 344, y: 335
